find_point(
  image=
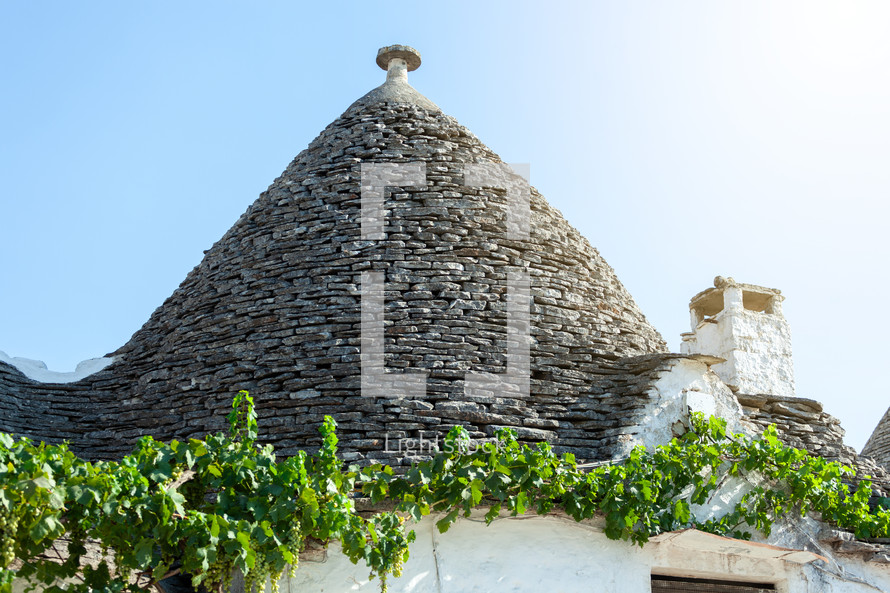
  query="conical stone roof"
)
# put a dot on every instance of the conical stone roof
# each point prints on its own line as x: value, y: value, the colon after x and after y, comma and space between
x: 275, y: 308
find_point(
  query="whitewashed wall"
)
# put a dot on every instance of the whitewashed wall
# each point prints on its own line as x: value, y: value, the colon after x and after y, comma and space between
x: 554, y: 554
x: 689, y: 384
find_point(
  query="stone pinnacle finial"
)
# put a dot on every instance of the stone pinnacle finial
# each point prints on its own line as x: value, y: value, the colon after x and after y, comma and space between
x: 398, y: 60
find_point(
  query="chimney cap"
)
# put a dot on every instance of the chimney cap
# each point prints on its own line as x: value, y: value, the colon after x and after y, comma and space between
x: 391, y: 52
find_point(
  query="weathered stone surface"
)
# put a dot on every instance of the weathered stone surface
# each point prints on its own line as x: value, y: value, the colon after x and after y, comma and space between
x: 801, y: 423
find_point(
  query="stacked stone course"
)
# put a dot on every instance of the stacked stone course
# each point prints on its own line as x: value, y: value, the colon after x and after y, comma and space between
x: 801, y: 423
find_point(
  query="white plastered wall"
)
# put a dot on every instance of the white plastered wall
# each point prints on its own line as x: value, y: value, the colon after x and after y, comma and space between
x: 555, y: 554
x: 688, y: 384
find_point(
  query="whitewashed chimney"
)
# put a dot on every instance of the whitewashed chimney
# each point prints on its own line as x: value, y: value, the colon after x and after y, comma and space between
x: 744, y: 325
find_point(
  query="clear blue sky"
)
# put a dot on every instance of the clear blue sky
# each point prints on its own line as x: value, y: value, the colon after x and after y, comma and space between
x: 684, y: 139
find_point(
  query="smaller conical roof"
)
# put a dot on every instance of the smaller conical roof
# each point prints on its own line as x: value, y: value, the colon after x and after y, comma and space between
x: 878, y: 445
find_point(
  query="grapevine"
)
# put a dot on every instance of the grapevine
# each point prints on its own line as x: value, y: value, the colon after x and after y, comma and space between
x: 210, y: 507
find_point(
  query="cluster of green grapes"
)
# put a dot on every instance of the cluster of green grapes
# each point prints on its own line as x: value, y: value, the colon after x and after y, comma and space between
x: 293, y: 541
x: 255, y: 579
x: 9, y: 524
x: 398, y: 563
x: 262, y: 569
x: 397, y: 566
x: 218, y: 577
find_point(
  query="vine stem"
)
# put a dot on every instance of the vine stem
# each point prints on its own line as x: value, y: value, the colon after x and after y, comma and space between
x: 156, y: 585
x: 185, y: 477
